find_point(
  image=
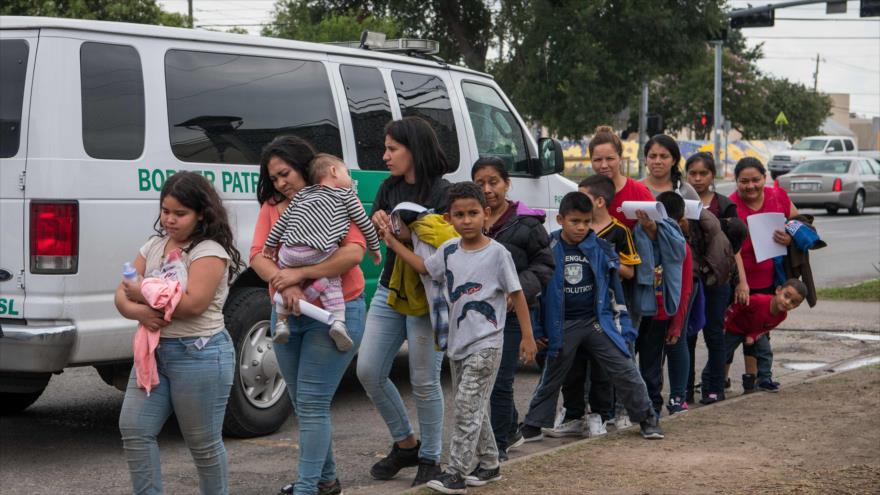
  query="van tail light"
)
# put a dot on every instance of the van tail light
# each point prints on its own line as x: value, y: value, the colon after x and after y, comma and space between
x: 54, y: 236
x: 838, y: 185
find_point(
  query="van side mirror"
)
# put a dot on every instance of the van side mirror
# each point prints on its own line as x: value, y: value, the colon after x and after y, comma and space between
x: 550, y: 159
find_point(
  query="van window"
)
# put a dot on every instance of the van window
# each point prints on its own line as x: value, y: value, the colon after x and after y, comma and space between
x: 13, y: 68
x: 223, y: 108
x: 112, y: 101
x: 495, y: 128
x: 835, y: 145
x: 370, y: 111
x: 849, y: 145
x: 426, y: 96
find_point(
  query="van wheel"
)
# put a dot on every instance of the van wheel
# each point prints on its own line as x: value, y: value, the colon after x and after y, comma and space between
x: 258, y: 403
x: 11, y: 403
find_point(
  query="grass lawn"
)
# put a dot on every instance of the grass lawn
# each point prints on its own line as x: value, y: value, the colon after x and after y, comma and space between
x: 865, y: 291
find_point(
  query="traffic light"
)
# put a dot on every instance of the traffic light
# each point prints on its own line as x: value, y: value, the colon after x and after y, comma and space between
x: 704, y: 121
x: 759, y: 18
x: 869, y: 8
x: 655, y: 125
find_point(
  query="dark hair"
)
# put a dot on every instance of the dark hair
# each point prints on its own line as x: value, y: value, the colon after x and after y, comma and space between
x: 672, y: 147
x: 429, y: 160
x: 674, y: 204
x: 748, y: 162
x: 604, y: 134
x: 194, y: 191
x: 796, y: 284
x: 575, y: 201
x: 294, y: 151
x: 464, y: 190
x: 492, y: 162
x: 704, y: 157
x: 599, y: 185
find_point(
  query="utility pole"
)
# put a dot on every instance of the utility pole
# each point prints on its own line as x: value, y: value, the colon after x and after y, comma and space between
x: 717, y: 118
x: 816, y: 75
x: 190, y: 2
x: 643, y: 127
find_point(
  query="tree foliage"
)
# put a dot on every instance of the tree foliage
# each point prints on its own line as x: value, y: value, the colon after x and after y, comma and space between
x: 294, y: 19
x: 136, y: 11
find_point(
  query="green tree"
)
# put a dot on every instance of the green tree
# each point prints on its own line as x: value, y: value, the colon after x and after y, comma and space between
x: 136, y: 11
x: 294, y: 19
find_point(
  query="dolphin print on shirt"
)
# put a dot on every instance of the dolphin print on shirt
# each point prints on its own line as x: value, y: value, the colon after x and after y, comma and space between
x: 481, y: 307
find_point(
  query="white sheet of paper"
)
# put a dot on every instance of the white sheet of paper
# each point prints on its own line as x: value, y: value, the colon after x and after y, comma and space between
x: 655, y: 209
x: 315, y: 313
x: 409, y: 206
x: 692, y: 209
x: 761, y: 228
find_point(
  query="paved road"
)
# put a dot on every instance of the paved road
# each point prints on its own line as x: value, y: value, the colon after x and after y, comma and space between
x: 69, y: 441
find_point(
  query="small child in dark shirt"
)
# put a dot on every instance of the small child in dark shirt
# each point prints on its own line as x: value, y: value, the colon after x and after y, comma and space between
x: 744, y: 323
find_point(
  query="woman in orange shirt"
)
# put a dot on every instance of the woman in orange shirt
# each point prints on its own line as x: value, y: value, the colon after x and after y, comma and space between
x: 309, y: 361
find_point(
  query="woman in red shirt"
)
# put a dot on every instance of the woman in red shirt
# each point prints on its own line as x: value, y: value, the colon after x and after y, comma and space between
x: 752, y: 197
x: 606, y: 149
x: 309, y: 361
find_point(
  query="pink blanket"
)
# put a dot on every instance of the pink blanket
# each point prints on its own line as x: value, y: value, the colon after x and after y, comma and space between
x: 162, y: 295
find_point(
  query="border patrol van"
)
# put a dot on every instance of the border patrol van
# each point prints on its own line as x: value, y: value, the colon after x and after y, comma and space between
x: 95, y: 116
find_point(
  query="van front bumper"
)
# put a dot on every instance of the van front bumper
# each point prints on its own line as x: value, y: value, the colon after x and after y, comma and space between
x: 35, y: 348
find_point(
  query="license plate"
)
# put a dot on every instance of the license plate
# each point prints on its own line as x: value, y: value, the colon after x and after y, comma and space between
x: 805, y: 186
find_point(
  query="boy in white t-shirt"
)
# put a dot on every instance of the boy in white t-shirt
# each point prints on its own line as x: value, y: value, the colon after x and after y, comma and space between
x: 479, y: 277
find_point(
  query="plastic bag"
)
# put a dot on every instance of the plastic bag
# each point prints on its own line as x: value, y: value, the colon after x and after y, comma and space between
x: 173, y: 269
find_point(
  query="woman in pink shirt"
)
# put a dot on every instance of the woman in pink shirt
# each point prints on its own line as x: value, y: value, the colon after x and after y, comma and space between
x: 751, y: 198
x: 309, y: 361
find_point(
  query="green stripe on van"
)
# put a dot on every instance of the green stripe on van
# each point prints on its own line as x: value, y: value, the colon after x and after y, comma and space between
x: 367, y: 183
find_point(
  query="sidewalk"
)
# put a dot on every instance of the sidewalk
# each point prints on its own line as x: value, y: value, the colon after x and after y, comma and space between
x: 817, y: 437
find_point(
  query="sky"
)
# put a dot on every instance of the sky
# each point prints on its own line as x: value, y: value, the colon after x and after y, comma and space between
x: 848, y: 46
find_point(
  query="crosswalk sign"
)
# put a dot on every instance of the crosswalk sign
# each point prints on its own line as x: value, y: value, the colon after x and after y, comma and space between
x: 781, y: 119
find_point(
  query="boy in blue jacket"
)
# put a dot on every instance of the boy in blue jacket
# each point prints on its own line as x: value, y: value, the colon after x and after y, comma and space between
x: 582, y: 307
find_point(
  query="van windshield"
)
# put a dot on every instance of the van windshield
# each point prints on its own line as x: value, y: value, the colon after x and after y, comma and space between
x: 810, y: 145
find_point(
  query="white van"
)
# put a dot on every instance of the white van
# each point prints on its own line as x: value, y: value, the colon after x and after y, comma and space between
x: 94, y: 116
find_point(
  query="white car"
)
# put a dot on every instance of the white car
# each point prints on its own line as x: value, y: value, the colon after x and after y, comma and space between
x: 808, y: 148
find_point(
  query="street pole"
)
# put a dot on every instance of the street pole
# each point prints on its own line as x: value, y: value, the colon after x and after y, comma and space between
x: 190, y: 2
x: 643, y: 127
x: 717, y: 110
x: 816, y: 75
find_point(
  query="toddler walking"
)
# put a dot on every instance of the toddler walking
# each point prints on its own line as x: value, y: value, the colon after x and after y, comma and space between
x: 310, y: 230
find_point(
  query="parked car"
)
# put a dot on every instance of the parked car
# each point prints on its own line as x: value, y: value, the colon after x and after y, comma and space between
x: 809, y: 148
x: 834, y: 183
x: 94, y: 117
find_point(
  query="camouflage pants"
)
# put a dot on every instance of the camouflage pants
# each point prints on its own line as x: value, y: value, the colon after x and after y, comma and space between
x: 472, y: 439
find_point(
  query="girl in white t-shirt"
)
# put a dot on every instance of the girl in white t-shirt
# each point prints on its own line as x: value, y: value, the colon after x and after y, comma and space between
x: 195, y: 357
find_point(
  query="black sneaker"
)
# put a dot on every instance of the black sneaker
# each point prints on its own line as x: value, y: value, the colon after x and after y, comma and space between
x: 529, y: 433
x: 324, y: 488
x: 748, y: 383
x: 330, y: 487
x: 448, y: 483
x: 398, y: 459
x: 769, y: 386
x: 651, y: 428
x: 515, y: 440
x: 481, y: 476
x: 428, y: 470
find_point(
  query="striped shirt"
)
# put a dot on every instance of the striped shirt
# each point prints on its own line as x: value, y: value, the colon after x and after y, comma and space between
x: 319, y: 216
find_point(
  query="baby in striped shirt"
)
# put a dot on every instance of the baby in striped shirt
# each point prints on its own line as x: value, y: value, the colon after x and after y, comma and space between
x: 310, y: 231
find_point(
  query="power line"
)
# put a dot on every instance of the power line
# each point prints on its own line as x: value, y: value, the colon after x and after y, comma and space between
x: 825, y: 19
x: 815, y: 37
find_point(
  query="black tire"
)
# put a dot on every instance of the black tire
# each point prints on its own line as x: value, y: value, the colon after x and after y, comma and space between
x: 12, y: 403
x: 258, y: 403
x: 858, y: 205
x: 832, y: 210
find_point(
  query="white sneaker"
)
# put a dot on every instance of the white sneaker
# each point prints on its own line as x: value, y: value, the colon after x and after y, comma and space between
x: 339, y: 334
x: 595, y: 425
x: 573, y: 428
x: 282, y: 331
x: 622, y: 422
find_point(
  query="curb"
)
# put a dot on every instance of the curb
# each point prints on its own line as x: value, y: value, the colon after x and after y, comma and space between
x: 811, y: 376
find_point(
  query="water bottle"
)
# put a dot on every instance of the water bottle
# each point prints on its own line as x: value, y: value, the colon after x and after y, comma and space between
x: 312, y: 292
x: 129, y: 274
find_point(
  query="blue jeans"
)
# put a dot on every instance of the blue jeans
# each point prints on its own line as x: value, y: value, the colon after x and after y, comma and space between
x: 763, y: 350
x: 313, y: 367
x: 194, y: 384
x: 386, y: 329
x: 502, y: 409
x: 717, y: 300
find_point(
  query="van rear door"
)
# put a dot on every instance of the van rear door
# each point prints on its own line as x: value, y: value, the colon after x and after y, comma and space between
x: 17, y: 51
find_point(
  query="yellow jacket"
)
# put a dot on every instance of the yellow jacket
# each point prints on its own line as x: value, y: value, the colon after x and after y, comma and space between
x: 406, y: 294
